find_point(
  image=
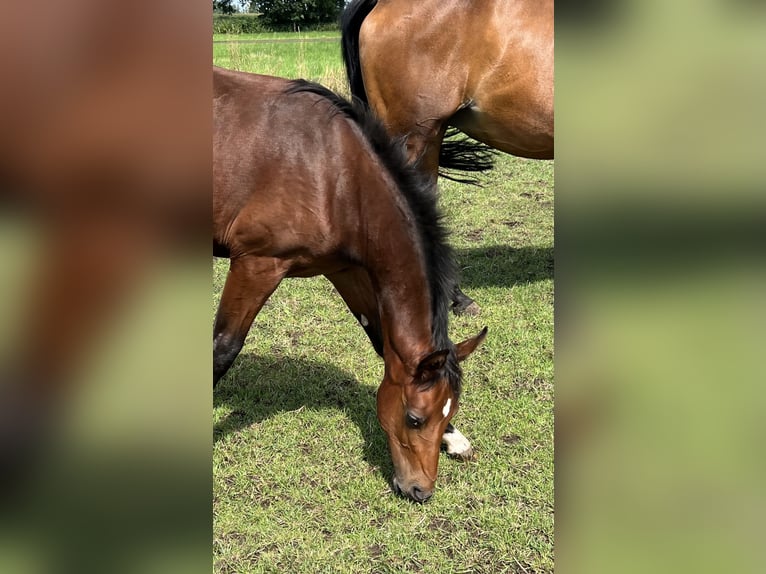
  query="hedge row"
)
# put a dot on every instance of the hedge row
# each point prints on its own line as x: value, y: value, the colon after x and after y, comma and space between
x: 238, y: 24
x: 253, y: 23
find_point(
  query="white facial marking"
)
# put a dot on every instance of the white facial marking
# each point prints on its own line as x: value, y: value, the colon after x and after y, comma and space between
x: 363, y: 320
x: 456, y: 443
x: 445, y: 410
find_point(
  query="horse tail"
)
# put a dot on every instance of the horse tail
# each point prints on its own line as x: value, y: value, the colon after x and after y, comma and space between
x: 350, y: 25
x: 464, y: 155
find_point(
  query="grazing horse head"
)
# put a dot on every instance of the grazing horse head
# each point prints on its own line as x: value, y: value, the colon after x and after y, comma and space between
x: 415, y: 405
x: 417, y: 398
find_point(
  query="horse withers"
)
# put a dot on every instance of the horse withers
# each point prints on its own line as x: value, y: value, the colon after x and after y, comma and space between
x: 306, y: 184
x: 483, y: 67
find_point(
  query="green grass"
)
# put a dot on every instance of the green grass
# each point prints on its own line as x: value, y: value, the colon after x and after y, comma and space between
x: 311, y: 60
x: 276, y: 36
x: 301, y: 467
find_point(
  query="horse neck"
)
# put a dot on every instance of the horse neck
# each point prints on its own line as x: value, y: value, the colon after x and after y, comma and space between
x: 396, y: 265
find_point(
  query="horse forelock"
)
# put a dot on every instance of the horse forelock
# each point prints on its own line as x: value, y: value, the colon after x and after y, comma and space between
x: 419, y: 193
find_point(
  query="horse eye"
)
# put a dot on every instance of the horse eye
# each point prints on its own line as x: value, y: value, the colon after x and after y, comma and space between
x: 414, y: 422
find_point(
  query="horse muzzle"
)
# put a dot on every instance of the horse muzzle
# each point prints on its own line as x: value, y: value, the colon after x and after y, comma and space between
x: 413, y: 492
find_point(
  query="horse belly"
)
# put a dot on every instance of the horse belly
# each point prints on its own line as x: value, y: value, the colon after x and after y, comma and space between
x: 527, y: 137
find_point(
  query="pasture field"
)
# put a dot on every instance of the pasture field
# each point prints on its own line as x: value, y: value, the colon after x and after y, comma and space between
x: 318, y: 61
x: 300, y: 464
x: 270, y: 36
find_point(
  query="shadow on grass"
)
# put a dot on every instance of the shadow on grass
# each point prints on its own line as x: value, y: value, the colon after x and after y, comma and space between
x: 504, y: 266
x: 287, y: 384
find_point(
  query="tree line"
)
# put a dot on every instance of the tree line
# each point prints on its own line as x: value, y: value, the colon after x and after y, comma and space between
x: 285, y: 13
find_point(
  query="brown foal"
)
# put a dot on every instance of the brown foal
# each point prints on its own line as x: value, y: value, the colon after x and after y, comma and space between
x: 308, y: 184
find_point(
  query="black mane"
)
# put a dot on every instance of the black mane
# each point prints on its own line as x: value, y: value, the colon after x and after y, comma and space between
x: 419, y: 193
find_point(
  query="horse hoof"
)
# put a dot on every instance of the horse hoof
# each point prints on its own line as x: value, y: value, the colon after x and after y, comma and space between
x: 472, y: 310
x: 464, y: 456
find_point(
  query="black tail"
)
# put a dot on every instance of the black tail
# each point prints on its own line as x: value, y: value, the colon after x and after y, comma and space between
x: 465, y: 155
x: 350, y: 24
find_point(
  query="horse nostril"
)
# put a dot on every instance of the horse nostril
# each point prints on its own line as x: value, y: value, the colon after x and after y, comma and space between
x: 420, y: 495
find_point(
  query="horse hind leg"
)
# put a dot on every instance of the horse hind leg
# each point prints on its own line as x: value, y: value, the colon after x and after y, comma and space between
x: 250, y: 282
x: 456, y: 445
x: 462, y: 304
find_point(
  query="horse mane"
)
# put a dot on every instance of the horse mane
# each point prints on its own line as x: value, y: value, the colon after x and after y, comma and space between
x: 419, y: 193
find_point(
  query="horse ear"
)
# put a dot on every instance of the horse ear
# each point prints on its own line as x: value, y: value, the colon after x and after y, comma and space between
x: 431, y: 364
x: 469, y: 345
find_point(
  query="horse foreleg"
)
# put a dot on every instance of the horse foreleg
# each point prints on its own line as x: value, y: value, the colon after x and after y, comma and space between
x: 456, y: 444
x: 250, y: 282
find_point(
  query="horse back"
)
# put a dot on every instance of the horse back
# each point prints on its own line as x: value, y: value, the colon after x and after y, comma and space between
x: 281, y: 186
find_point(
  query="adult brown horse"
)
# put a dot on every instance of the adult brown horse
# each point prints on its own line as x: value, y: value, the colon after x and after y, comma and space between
x: 484, y: 67
x: 307, y: 184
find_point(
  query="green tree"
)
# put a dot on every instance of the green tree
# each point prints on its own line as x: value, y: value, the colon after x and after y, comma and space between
x: 224, y: 6
x: 292, y: 13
